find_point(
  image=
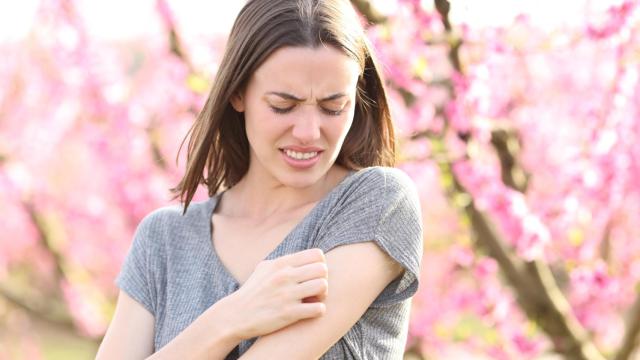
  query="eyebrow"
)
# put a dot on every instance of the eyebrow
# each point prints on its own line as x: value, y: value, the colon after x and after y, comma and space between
x: 292, y: 97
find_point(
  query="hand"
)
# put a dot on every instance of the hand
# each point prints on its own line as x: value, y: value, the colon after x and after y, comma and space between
x: 280, y: 292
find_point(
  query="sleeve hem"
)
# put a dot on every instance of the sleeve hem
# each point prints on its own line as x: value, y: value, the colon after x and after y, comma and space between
x: 405, y: 285
x: 130, y: 290
x: 400, y: 289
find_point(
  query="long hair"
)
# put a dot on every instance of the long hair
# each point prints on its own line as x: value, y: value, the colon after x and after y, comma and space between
x: 218, y: 140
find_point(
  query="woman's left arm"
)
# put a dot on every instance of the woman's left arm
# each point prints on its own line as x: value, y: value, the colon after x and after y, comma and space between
x: 358, y: 273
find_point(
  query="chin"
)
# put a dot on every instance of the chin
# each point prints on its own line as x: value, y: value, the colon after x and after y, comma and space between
x: 301, y: 179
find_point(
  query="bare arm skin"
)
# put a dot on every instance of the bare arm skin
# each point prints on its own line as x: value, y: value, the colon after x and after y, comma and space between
x: 278, y: 293
x: 130, y: 334
x: 354, y: 286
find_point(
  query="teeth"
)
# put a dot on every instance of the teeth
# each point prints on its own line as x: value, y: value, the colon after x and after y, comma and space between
x: 300, y: 155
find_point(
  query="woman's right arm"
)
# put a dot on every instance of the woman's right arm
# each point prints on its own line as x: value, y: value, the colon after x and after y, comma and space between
x: 278, y: 293
x: 131, y: 334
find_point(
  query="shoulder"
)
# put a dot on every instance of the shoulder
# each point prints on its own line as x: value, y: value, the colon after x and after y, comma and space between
x: 390, y: 181
x: 171, y: 217
x: 372, y: 192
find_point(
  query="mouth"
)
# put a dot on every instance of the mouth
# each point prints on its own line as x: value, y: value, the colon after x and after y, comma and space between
x: 300, y: 155
x: 300, y: 160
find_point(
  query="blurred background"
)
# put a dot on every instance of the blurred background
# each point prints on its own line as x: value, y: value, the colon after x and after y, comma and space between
x: 518, y: 120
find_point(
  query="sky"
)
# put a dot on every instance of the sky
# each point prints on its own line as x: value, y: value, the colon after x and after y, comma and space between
x: 121, y: 19
x: 139, y: 17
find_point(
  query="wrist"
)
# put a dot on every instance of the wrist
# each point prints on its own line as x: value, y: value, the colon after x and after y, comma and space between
x: 226, y: 328
x: 211, y: 336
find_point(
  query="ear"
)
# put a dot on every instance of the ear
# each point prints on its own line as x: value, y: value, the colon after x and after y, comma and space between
x: 237, y: 101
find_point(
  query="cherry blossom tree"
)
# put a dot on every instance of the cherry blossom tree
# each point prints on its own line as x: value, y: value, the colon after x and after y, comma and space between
x: 530, y: 134
x: 88, y: 133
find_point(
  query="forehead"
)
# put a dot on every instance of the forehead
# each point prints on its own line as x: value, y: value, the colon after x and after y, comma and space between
x: 301, y: 69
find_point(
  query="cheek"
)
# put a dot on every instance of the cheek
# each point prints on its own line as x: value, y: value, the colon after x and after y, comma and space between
x: 259, y: 123
x: 347, y: 123
x: 340, y: 131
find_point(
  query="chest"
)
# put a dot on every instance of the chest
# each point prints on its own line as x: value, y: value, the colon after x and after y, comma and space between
x: 241, y: 244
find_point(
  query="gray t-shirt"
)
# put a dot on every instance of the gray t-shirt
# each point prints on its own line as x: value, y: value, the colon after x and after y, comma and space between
x: 174, y: 272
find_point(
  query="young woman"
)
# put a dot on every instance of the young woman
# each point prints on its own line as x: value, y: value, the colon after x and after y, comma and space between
x: 310, y: 243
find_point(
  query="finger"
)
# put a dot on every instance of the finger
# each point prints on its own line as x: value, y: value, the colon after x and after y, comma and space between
x: 302, y: 257
x: 311, y: 299
x: 309, y: 310
x: 316, y: 298
x: 314, y: 271
x: 323, y: 295
x: 315, y: 287
x: 310, y: 271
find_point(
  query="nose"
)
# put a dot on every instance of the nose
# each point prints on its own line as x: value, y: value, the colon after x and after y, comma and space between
x: 307, y: 127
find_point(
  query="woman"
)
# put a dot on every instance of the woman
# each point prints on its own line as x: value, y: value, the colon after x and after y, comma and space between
x: 313, y: 248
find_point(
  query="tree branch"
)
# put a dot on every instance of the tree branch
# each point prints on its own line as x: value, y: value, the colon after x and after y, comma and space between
x: 413, y: 353
x: 43, y: 236
x: 534, y: 286
x: 175, y: 43
x: 536, y: 290
x: 368, y: 11
x: 632, y: 332
x: 43, y: 313
x: 506, y: 144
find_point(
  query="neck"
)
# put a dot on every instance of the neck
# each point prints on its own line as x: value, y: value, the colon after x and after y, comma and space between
x: 255, y: 197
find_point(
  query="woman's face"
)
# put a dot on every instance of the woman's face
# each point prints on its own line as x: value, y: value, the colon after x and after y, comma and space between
x: 298, y: 106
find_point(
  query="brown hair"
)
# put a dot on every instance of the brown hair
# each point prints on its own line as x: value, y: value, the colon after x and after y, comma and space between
x: 218, y: 141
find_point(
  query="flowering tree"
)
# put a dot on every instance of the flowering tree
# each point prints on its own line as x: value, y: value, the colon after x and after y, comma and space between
x: 531, y: 134
x: 521, y: 142
x: 88, y: 130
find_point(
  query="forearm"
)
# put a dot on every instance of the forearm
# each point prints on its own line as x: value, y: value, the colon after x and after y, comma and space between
x: 210, y: 336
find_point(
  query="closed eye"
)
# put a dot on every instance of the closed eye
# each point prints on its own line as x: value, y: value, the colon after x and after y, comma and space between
x: 279, y: 110
x: 332, y: 112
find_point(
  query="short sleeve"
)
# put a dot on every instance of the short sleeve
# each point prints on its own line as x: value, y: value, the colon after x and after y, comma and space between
x: 383, y: 206
x: 135, y: 277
